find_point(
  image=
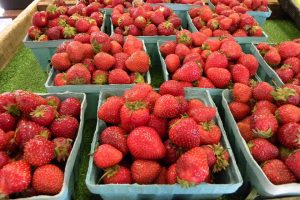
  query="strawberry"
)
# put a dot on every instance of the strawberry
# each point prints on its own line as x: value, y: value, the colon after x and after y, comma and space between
x: 173, y: 152
x: 211, y: 44
x: 265, y: 105
x: 162, y: 177
x: 3, y: 140
x: 245, y: 130
x: 28, y: 101
x: 198, y: 38
x: 48, y: 179
x: 217, y: 60
x: 277, y: 172
x: 172, y: 62
x: 60, y: 61
x: 125, y: 20
x: 98, y: 17
x: 117, y: 175
x: 239, y: 110
x: 240, y: 74
x: 145, y: 143
x: 171, y: 87
x: 14, y: 177
x: 195, y: 57
x: 185, y: 133
x: 53, y: 101
x: 39, y: 19
x: 263, y: 124
x: 241, y: 93
x: 120, y: 60
x: 182, y: 50
x: 132, y: 45
x: 225, y: 23
x: 115, y: 47
x: 82, y: 37
x: 289, y: 49
x: 250, y: 62
x: 39, y: 151
x: 262, y: 150
x: 106, y: 156
x: 167, y: 106
x: 171, y: 176
x: 285, y: 73
x: 220, y: 77
x: 150, y: 30
x: 118, y: 38
x: 159, y: 124
x: 132, y: 30
x: 184, y: 37
x: 65, y: 126
x: 63, y: 147
x: 231, y: 49
x: 292, y: 163
x: 217, y: 157
x: 199, y: 112
x: 210, y: 133
x: 118, y: 76
x: 192, y: 167
x: 138, y: 62
x: 34, y: 32
x: 60, y: 79
x: 211, y: 157
x: 165, y: 28
x: 198, y: 23
x: 288, y: 113
x: 138, y: 92
x: 78, y: 74
x: 137, y: 78
x: 157, y: 17
x: 4, y: 159
x: 145, y: 171
x: 204, y: 83
x: 100, y: 42
x: 70, y: 106
x: 7, y: 122
x: 262, y: 91
x: 104, y: 61
x: 272, y: 57
x: 116, y: 137
x: 140, y: 22
x: 189, y: 72
x: 43, y: 115
x: 286, y: 95
x: 167, y: 48
x: 294, y: 62
x: 289, y: 135
x: 26, y: 130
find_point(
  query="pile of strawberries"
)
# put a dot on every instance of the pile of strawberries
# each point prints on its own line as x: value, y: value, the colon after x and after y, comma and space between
x: 145, y: 20
x: 215, y: 64
x: 36, y: 136
x: 284, y: 58
x: 268, y: 119
x: 62, y: 22
x: 158, y: 138
x: 107, y: 3
x: 229, y: 23
x: 101, y: 59
x: 194, y: 2
x: 240, y: 6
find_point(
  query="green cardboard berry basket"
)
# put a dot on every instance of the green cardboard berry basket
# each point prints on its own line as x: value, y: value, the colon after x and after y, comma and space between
x: 250, y: 169
x: 240, y: 40
x: 43, y: 51
x: 72, y: 163
x: 228, y: 181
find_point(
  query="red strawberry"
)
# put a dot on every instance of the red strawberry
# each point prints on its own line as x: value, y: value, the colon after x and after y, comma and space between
x: 15, y: 177
x: 217, y: 157
x: 277, y: 172
x: 225, y: 23
x: 157, y: 17
x: 145, y: 171
x: 138, y: 62
x: 262, y: 150
x: 288, y: 113
x: 4, y: 159
x: 115, y: 47
x: 263, y: 124
x: 26, y: 130
x: 250, y: 62
x: 70, y: 106
x: 171, y: 175
x: 206, y: 13
x: 219, y: 77
x: 125, y: 20
x: 239, y: 110
x: 48, y: 179
x: 60, y: 61
x: 140, y: 22
x: 184, y: 37
x: 167, y: 106
x: 43, y: 115
x: 132, y: 45
x: 159, y: 124
x: 34, y: 32
x: 289, y: 135
x: 240, y: 33
x: 120, y: 60
x: 289, y: 49
x: 104, y: 61
x: 210, y: 133
x: 60, y: 79
x: 211, y: 44
x: 231, y: 49
x: 294, y: 62
x: 204, y: 83
x: 168, y: 48
x: 100, y: 42
x: 162, y: 177
x: 199, y: 112
x: 198, y: 38
x: 173, y: 152
x: 192, y: 167
x: 39, y: 151
x: 185, y: 133
x: 292, y: 163
x: 53, y: 101
x: 132, y: 30
x: 117, y: 175
x: 189, y: 72
x: 145, y: 143
x: 82, y: 37
x: 75, y: 51
x: 52, y: 12
x: 150, y: 30
x: 39, y: 19
x: 98, y: 17
x: 28, y: 101
x: 182, y: 50
x: 285, y: 73
x: 240, y: 74
x: 7, y: 122
x: 115, y: 137
x: 117, y: 37
x: 65, y: 126
x: 63, y: 147
x: 195, y: 57
x: 138, y: 92
x: 172, y: 62
x: 216, y: 59
x: 78, y: 74
x: 272, y: 57
x: 262, y: 91
x: 245, y: 130
x: 137, y: 78
x: 286, y: 95
x: 118, y: 76
x: 165, y: 28
x: 3, y: 140
x: 241, y: 93
x: 106, y: 156
x: 265, y: 105
x: 172, y: 87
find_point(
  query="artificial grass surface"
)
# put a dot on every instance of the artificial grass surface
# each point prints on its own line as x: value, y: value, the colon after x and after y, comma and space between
x: 24, y: 72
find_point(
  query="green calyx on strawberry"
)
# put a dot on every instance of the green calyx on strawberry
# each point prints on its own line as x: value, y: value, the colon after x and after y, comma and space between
x: 69, y: 32
x: 208, y: 125
x: 63, y: 147
x: 185, y: 184
x: 136, y: 105
x: 283, y: 94
x: 263, y: 134
x: 52, y: 9
x: 13, y: 110
x: 62, y: 22
x: 138, y: 78
x: 222, y: 158
x: 96, y: 46
x: 110, y: 172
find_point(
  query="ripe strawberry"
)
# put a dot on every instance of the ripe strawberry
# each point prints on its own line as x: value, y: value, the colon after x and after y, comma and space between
x: 26, y: 130
x: 173, y: 152
x: 115, y: 47
x: 7, y: 122
x: 82, y: 37
x: 185, y: 133
x: 204, y: 83
x: 104, y: 61
x: 240, y: 74
x: 217, y: 60
x: 189, y: 72
x: 65, y: 126
x: 288, y: 113
x: 192, y: 167
x: 138, y: 62
x: 231, y: 49
x: 70, y: 106
x: 239, y: 110
x: 145, y: 143
x: 241, y: 93
x: 171, y: 176
x: 98, y: 17
x: 100, y: 42
x: 34, y: 32
x: 195, y: 57
x: 116, y: 137
x: 167, y: 106
x: 277, y: 172
x: 210, y: 133
x: 118, y: 76
x: 184, y: 37
x: 206, y: 13
x: 289, y: 135
x: 240, y: 33
x: 120, y: 60
x: 43, y: 115
x: 289, y: 49
x: 78, y: 74
x: 262, y: 91
x: 140, y: 22
x: 172, y: 87
x: 250, y: 62
x: 225, y: 23
x: 110, y: 110
x: 182, y: 51
x: 245, y: 130
x: 4, y: 158
x: 198, y: 38
x: 118, y: 38
x: 165, y: 28
x: 167, y: 48
x: 137, y: 78
x: 219, y: 77
x: 292, y: 163
x: 265, y: 105
x: 100, y: 77
x: 217, y: 157
x: 3, y: 140
x: 285, y: 73
x: 28, y: 101
x: 60, y: 61
x: 159, y: 124
x: 125, y: 20
x: 15, y: 177
x: 48, y: 179
x: 263, y: 124
x: 150, y: 30
x: 272, y: 57
x: 117, y: 175
x: 213, y: 24
x: 132, y: 45
x: 172, y: 62
x: 294, y: 62
x: 39, y: 151
x: 63, y: 147
x: 262, y: 150
x: 199, y: 112
x: 286, y: 95
x: 75, y: 51
x: 211, y: 44
x: 145, y: 171
x: 138, y: 92
x: 39, y: 19
x: 60, y: 79
x: 106, y: 156
x: 162, y: 177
